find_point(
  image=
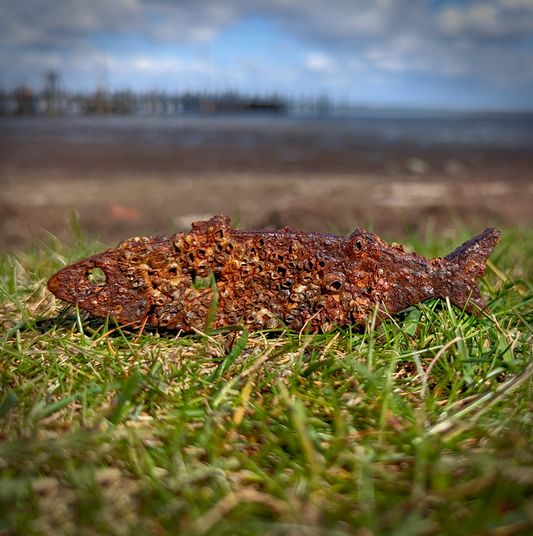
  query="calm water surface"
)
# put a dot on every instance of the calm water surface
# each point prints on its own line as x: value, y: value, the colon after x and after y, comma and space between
x: 362, y: 127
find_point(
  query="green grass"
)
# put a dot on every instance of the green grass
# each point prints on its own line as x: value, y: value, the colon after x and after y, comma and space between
x: 422, y: 426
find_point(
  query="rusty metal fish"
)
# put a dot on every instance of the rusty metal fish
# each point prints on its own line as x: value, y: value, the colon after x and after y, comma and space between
x: 261, y: 277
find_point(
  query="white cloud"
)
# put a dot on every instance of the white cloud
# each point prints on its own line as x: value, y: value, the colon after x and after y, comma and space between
x: 509, y: 19
x: 368, y: 39
x: 319, y: 62
x: 147, y: 64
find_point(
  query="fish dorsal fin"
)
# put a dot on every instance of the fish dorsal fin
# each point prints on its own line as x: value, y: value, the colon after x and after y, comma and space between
x: 216, y: 222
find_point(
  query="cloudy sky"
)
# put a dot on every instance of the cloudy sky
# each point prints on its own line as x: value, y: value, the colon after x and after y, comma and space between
x: 449, y: 53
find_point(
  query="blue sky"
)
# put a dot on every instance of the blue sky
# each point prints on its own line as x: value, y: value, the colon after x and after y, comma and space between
x: 473, y: 54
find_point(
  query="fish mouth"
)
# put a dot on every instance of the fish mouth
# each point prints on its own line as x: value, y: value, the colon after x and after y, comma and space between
x: 70, y: 283
x: 75, y: 283
x: 110, y: 294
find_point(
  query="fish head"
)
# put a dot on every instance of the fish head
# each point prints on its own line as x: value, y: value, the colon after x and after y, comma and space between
x: 118, y: 294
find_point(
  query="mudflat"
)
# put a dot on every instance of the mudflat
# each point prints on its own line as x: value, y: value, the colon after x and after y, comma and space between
x: 315, y: 176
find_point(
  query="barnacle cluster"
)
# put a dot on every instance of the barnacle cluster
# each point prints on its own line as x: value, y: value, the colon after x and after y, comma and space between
x: 264, y: 279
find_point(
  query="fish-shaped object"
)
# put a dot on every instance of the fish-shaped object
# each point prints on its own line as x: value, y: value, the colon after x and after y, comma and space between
x: 265, y: 279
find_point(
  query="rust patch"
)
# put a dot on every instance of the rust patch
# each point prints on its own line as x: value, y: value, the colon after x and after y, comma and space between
x: 265, y: 278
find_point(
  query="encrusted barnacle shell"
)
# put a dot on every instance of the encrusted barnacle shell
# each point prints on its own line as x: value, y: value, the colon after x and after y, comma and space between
x: 333, y: 282
x: 268, y: 278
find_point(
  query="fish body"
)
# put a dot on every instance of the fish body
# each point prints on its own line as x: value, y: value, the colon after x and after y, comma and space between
x: 267, y: 278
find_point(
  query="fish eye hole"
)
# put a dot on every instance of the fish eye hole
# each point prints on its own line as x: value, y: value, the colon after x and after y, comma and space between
x: 358, y: 245
x: 97, y: 277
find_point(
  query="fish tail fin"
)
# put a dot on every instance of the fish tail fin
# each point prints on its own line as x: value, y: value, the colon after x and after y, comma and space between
x: 468, y: 262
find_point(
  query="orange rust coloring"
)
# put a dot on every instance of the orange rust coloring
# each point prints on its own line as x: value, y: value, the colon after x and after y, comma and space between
x: 263, y: 277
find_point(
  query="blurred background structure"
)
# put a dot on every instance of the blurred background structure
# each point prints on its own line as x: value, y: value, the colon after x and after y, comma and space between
x: 144, y: 116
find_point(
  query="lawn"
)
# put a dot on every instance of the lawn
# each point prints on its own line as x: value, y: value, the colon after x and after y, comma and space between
x: 421, y: 426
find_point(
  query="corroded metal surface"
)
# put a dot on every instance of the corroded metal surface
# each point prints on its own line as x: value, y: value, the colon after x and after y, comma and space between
x: 262, y: 277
